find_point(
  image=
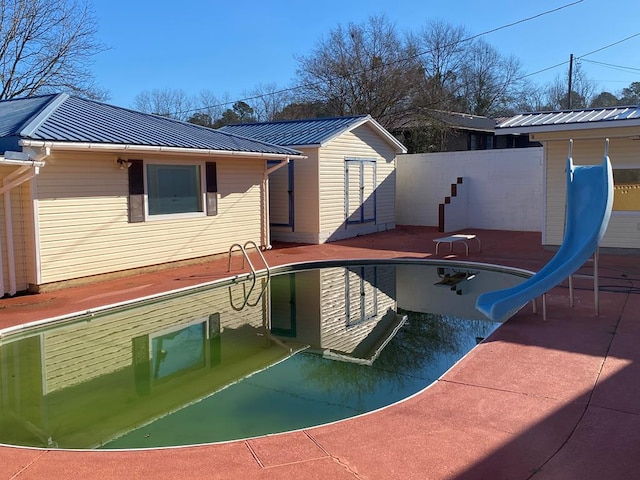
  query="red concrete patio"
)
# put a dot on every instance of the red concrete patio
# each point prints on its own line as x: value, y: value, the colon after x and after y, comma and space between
x: 554, y: 399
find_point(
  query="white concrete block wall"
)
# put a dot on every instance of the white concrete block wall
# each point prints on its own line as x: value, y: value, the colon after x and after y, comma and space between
x: 457, y: 212
x: 504, y: 187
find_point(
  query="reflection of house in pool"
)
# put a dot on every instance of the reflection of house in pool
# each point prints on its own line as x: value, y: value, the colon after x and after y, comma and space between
x: 116, y: 371
x: 345, y: 313
x: 121, y: 370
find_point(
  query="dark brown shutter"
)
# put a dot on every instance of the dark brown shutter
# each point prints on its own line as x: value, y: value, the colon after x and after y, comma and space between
x: 136, y: 191
x: 212, y: 188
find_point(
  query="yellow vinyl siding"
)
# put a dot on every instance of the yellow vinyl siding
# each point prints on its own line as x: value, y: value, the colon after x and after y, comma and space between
x: 307, y: 193
x: 361, y: 142
x: 84, y: 228
x: 279, y: 196
x: 77, y: 354
x: 339, y: 333
x: 22, y: 233
x: 624, y: 227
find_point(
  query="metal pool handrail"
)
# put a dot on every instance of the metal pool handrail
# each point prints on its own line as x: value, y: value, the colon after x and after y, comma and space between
x: 243, y: 249
x: 245, y: 255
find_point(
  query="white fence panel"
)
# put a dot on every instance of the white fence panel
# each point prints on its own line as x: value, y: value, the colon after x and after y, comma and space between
x: 504, y: 187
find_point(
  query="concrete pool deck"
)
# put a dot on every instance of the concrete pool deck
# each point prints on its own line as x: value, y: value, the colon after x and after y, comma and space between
x: 554, y: 399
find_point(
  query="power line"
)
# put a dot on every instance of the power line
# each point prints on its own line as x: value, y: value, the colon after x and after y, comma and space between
x: 419, y: 54
x: 581, y: 58
x: 609, y: 46
x: 615, y: 67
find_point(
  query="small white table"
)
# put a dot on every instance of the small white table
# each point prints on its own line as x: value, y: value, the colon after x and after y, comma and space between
x: 457, y: 238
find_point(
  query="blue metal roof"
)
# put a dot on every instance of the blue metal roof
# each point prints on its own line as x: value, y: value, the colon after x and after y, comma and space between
x: 17, y: 112
x: 64, y: 118
x: 296, y: 132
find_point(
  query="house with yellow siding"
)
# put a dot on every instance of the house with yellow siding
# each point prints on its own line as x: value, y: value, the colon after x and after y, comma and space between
x: 589, y: 129
x: 92, y: 189
x: 344, y: 188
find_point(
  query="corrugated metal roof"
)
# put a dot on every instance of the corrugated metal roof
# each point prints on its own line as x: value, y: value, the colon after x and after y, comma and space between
x: 64, y: 118
x: 17, y: 112
x: 291, y: 133
x: 558, y: 120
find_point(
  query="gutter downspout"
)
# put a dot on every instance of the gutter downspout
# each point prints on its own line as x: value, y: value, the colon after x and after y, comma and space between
x: 265, y: 200
x: 28, y: 168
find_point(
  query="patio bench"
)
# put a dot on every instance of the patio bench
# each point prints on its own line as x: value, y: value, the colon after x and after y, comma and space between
x: 457, y: 238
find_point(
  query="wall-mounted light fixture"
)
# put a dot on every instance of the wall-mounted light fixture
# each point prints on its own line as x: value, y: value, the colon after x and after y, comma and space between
x: 123, y: 163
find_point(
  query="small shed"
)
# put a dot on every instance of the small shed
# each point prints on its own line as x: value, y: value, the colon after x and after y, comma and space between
x: 345, y: 187
x: 92, y: 189
x: 588, y: 128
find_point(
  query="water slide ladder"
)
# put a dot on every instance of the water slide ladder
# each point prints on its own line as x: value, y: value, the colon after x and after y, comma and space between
x: 245, y: 256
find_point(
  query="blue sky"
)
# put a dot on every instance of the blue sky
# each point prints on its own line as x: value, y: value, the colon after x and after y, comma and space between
x: 230, y: 47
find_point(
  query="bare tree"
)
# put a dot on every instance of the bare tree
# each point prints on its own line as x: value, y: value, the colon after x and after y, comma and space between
x: 442, y: 50
x: 168, y: 102
x: 211, y: 105
x: 582, y: 90
x: 360, y: 69
x: 47, y: 46
x: 490, y: 80
x: 267, y: 100
x: 530, y: 97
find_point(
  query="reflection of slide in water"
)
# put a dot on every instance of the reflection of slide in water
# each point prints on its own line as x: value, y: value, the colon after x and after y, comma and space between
x: 589, y: 202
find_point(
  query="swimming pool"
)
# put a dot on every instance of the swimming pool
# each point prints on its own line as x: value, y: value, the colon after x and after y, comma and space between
x: 235, y: 360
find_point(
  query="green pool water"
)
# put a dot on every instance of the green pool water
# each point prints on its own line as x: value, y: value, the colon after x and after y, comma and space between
x: 241, y: 360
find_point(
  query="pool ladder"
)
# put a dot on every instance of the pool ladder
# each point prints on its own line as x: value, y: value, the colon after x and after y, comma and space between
x: 245, y: 256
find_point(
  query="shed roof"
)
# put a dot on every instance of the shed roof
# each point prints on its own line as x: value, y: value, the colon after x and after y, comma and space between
x: 64, y: 118
x: 606, y: 117
x: 313, y: 132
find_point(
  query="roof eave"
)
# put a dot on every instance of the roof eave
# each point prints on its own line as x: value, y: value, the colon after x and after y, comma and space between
x: 521, y: 130
x: 119, y: 148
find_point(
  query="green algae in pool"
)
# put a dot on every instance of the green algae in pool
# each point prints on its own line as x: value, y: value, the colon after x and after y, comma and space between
x: 232, y: 362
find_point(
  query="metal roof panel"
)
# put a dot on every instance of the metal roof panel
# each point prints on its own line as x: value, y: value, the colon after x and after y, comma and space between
x: 295, y: 132
x: 74, y: 119
x: 593, y: 117
x: 17, y: 112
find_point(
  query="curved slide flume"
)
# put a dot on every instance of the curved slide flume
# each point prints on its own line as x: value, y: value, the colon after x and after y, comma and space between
x: 589, y: 203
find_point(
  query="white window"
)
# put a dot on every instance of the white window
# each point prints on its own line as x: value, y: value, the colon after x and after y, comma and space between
x: 173, y: 189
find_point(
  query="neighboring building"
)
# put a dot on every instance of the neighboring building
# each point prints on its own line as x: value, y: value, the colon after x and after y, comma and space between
x: 467, y: 132
x: 346, y: 186
x: 588, y: 129
x: 92, y: 189
x: 455, y: 132
x: 442, y: 131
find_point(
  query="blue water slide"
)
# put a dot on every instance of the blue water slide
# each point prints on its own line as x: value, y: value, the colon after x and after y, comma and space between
x: 588, y: 209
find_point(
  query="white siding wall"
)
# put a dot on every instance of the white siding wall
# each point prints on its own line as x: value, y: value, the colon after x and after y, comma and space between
x: 84, y: 227
x: 362, y: 142
x: 624, y: 227
x: 504, y: 187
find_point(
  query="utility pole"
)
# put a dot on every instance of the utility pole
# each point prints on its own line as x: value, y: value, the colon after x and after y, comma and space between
x: 570, y: 75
